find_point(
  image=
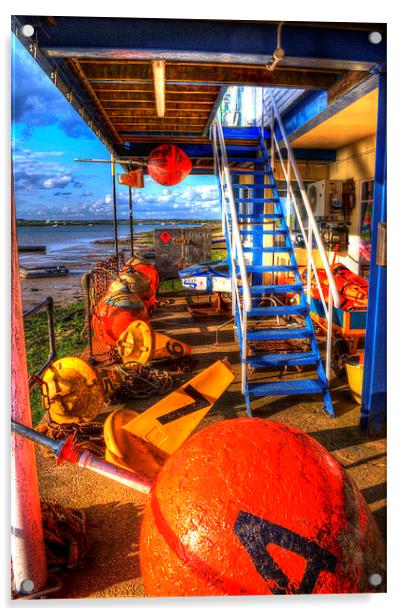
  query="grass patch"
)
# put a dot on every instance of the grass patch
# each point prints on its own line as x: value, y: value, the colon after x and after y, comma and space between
x: 69, y: 324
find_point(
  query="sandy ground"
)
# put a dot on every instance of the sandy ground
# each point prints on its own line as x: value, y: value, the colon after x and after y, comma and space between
x: 114, y: 513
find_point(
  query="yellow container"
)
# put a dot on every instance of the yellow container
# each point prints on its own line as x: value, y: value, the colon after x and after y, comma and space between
x: 354, y: 369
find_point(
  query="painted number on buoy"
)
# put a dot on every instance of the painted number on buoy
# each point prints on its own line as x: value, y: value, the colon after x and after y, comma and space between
x: 256, y: 534
x: 199, y: 403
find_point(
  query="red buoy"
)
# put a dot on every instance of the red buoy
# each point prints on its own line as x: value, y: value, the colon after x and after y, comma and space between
x: 249, y: 507
x: 112, y: 317
x: 168, y: 165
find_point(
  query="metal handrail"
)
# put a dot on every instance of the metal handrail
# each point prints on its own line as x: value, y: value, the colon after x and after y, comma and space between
x: 333, y: 294
x: 309, y: 211
x: 231, y: 228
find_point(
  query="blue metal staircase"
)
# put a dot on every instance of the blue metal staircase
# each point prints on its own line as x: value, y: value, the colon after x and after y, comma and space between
x: 264, y: 232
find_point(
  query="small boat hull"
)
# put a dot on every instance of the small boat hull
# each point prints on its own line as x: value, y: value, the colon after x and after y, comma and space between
x: 43, y: 272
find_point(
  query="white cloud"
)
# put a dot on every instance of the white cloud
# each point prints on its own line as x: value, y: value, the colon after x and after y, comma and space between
x: 57, y: 182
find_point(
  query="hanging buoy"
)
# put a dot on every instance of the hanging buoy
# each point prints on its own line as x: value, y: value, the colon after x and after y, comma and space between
x: 250, y: 507
x: 168, y: 165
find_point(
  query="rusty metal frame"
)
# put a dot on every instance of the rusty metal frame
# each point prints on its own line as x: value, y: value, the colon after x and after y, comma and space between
x: 47, y: 305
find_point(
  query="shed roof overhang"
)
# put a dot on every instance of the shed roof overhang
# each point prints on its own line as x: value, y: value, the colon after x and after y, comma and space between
x: 104, y: 68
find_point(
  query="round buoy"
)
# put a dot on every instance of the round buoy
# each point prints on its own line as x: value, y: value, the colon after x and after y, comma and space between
x: 72, y: 391
x: 250, y: 506
x: 168, y: 165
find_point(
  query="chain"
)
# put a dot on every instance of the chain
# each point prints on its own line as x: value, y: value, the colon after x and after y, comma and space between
x: 88, y: 436
x: 135, y: 381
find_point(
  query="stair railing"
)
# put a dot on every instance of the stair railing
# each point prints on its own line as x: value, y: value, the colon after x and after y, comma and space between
x: 241, y: 294
x: 333, y: 295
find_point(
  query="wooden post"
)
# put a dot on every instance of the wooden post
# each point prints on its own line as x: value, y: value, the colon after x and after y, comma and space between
x: 27, y: 537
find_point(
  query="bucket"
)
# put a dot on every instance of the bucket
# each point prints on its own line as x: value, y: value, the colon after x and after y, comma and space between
x: 354, y: 369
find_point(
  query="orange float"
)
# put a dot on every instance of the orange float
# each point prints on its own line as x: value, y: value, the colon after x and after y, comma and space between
x: 168, y: 165
x: 353, y: 289
x: 150, y: 273
x: 112, y: 317
x: 251, y: 507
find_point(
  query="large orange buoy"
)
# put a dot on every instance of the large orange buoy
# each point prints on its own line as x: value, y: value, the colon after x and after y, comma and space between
x: 250, y: 506
x: 112, y: 317
x: 168, y: 165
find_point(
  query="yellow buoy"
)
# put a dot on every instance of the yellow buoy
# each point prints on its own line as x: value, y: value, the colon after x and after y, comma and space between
x: 127, y: 450
x: 140, y: 344
x: 72, y: 391
x: 169, y: 422
x: 354, y: 369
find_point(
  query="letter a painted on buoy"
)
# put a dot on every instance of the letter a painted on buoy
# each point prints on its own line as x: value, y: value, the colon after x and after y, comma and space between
x: 168, y: 423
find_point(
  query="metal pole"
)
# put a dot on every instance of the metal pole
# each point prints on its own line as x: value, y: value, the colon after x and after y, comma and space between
x: 132, y: 251
x: 27, y: 537
x: 115, y: 214
x: 65, y: 450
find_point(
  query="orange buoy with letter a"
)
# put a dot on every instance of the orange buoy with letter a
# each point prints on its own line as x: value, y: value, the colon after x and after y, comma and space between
x: 250, y: 507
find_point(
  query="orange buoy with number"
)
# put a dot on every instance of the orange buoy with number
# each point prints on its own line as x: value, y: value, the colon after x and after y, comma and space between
x: 140, y: 343
x: 250, y: 507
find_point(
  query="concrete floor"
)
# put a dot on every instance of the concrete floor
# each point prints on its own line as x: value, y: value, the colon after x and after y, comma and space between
x: 114, y: 513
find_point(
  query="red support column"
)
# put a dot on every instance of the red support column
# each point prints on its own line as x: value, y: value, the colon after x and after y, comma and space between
x: 27, y: 538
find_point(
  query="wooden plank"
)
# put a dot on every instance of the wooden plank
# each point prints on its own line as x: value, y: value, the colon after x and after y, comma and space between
x: 151, y: 113
x: 129, y: 96
x: 156, y: 125
x: 146, y: 87
x: 211, y: 74
x: 81, y: 77
x: 349, y: 81
x: 147, y: 105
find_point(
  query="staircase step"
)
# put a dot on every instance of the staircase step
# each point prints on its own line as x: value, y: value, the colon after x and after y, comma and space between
x: 260, y: 232
x: 283, y: 359
x: 254, y: 186
x: 277, y: 311
x: 267, y: 249
x: 288, y: 388
x: 245, y: 159
x: 242, y: 171
x: 256, y: 200
x: 281, y: 333
x: 258, y: 289
x: 261, y: 269
x: 259, y: 217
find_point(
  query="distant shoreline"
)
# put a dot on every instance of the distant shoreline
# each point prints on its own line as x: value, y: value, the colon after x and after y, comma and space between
x: 21, y: 222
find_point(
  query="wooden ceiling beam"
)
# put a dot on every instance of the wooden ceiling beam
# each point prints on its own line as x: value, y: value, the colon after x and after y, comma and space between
x: 213, y: 74
x: 151, y: 113
x: 147, y: 105
x: 81, y: 76
x: 349, y: 81
x: 171, y: 88
x: 128, y: 96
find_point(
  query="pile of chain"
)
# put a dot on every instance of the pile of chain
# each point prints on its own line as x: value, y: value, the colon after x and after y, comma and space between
x: 66, y: 539
x: 87, y: 436
x: 102, y: 274
x: 136, y: 381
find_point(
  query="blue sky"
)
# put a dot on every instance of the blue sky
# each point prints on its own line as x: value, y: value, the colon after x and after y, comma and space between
x: 47, y: 136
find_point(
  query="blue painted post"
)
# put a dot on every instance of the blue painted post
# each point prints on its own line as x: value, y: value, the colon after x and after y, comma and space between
x: 374, y: 392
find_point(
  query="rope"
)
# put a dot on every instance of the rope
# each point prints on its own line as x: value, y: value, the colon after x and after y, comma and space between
x: 66, y: 540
